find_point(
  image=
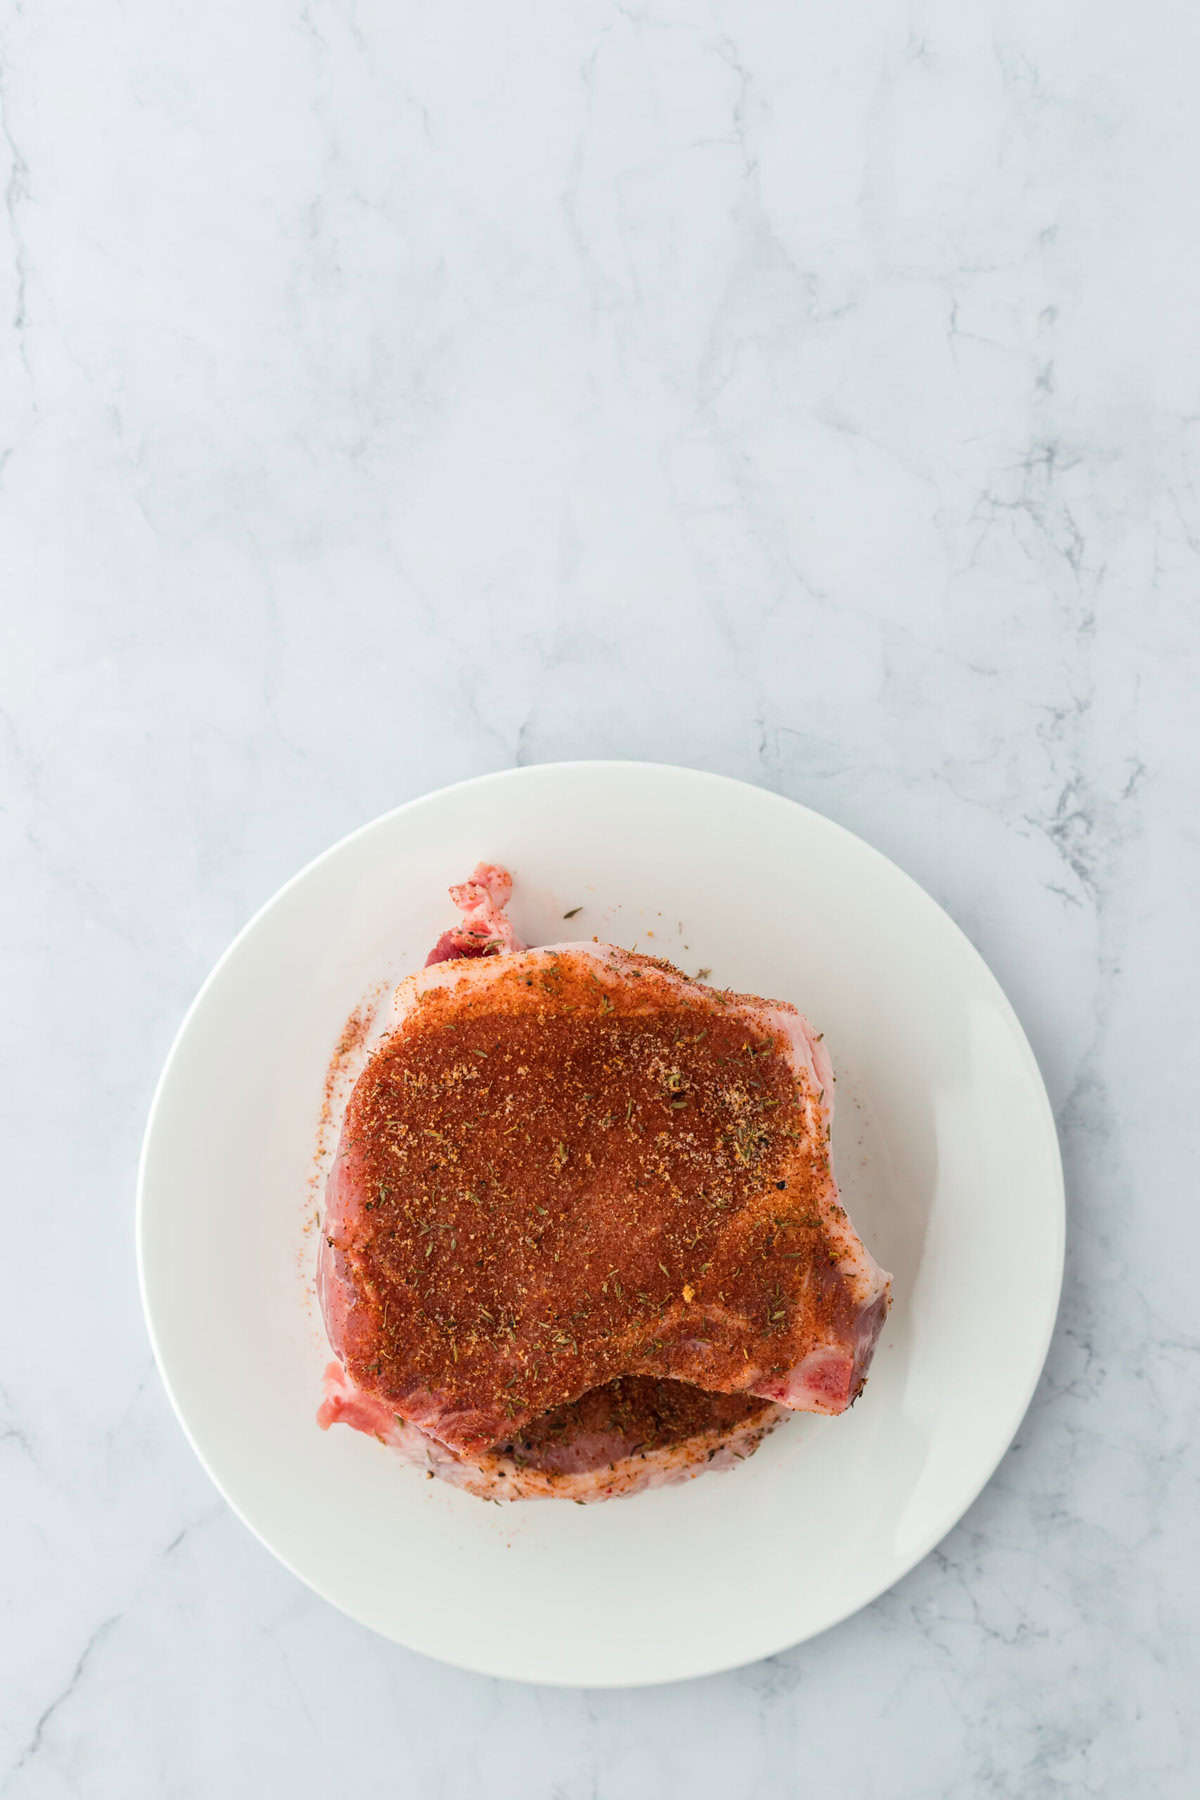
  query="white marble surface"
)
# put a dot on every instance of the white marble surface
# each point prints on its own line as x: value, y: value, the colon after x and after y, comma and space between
x: 394, y: 392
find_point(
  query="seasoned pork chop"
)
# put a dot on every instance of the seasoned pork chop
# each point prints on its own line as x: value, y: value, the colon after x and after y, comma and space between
x: 574, y: 1165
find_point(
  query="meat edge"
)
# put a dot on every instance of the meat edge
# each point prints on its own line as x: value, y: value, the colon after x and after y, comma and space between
x: 494, y: 1476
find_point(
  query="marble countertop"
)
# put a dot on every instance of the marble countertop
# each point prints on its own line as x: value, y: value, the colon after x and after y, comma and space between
x: 390, y: 393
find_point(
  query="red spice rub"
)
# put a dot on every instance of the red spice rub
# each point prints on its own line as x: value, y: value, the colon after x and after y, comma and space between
x: 579, y: 1168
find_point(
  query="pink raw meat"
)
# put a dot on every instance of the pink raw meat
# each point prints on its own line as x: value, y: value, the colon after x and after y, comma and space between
x: 780, y: 1298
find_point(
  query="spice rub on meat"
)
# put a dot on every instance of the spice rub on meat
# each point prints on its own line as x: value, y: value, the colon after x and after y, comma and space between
x: 573, y: 1165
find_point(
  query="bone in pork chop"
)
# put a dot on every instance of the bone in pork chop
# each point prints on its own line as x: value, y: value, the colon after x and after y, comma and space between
x: 570, y: 1166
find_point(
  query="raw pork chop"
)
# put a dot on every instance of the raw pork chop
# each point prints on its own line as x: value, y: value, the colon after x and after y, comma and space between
x: 571, y: 1165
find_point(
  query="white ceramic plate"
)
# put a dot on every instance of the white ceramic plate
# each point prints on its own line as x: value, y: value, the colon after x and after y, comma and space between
x: 945, y: 1150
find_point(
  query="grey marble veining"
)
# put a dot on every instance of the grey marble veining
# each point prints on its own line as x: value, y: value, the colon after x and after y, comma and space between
x: 389, y: 394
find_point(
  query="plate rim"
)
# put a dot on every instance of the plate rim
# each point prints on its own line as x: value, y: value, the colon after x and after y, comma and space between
x: 516, y: 774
